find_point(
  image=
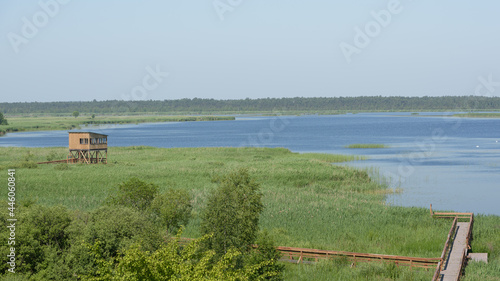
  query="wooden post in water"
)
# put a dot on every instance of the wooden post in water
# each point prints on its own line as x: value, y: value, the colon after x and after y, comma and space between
x: 431, y: 210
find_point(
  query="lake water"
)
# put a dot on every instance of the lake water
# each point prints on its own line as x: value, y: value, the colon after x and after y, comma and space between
x: 453, y: 163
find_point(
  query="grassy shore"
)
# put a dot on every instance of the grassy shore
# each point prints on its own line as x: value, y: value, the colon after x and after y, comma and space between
x: 478, y: 115
x: 486, y: 239
x: 308, y: 201
x: 45, y: 123
x: 366, y: 145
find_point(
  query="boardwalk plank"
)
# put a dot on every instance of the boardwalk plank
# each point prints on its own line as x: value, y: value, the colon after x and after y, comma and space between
x: 451, y: 271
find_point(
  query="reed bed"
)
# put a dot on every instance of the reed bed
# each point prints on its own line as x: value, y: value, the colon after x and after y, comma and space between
x: 309, y: 202
x: 479, y: 115
x: 46, y: 123
x: 366, y: 145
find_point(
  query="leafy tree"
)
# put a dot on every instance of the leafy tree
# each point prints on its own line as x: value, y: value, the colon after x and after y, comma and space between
x: 117, y: 227
x: 232, y: 213
x: 93, y: 116
x: 172, y: 208
x: 41, y: 239
x: 76, y: 114
x: 114, y: 228
x: 171, y: 262
x: 3, y: 121
x: 266, y: 252
x: 134, y: 193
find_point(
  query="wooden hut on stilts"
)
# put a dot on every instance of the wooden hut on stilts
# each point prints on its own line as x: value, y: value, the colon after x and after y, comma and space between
x: 87, y: 147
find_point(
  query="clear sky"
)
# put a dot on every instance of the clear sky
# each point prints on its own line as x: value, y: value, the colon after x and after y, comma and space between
x: 75, y: 50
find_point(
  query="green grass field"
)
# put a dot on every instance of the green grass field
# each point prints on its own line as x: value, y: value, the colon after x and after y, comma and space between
x: 308, y: 201
x: 45, y: 123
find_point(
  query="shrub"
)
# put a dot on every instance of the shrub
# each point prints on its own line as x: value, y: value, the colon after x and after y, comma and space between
x: 171, y: 262
x: 232, y: 213
x: 134, y: 193
x: 172, y: 208
x: 266, y: 252
x: 41, y: 237
x: 3, y: 121
x: 117, y: 227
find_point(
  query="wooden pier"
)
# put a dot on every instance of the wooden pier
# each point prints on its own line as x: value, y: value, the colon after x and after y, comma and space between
x: 301, y: 255
x: 449, y: 266
x: 455, y: 252
x: 309, y: 256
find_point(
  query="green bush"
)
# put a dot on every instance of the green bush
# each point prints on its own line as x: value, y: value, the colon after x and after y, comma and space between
x: 172, y: 209
x: 232, y: 213
x: 41, y: 238
x: 266, y: 252
x: 134, y: 194
x: 3, y: 121
x: 171, y: 262
x: 117, y: 227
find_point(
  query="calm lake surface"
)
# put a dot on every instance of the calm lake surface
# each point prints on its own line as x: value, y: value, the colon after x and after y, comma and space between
x: 453, y: 163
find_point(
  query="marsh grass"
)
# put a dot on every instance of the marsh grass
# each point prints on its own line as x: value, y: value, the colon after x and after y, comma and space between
x: 45, y: 123
x: 366, y: 145
x: 308, y: 201
x: 478, y: 115
x: 340, y: 270
x: 486, y: 239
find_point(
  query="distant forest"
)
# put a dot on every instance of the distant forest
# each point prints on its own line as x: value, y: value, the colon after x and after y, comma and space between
x: 266, y: 105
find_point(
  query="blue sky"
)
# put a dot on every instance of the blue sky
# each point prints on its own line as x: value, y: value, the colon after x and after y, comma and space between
x: 74, y: 50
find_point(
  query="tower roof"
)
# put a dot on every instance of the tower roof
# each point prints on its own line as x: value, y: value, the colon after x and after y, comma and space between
x: 88, y: 133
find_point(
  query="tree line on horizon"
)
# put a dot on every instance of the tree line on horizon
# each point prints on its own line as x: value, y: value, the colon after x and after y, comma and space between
x: 317, y: 104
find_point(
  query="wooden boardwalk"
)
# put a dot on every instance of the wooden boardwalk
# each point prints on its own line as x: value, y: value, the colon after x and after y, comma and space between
x: 71, y: 160
x: 449, y: 266
x: 302, y: 255
x: 454, y: 256
x: 309, y: 256
x: 453, y: 265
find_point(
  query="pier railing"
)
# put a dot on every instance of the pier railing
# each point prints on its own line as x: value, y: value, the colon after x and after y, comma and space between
x: 301, y: 255
x: 467, y: 217
x: 306, y: 256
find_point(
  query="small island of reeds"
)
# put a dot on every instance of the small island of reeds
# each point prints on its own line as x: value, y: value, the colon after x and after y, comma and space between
x: 366, y: 145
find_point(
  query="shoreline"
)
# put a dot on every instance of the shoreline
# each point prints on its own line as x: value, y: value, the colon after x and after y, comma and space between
x: 52, y: 122
x: 56, y: 123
